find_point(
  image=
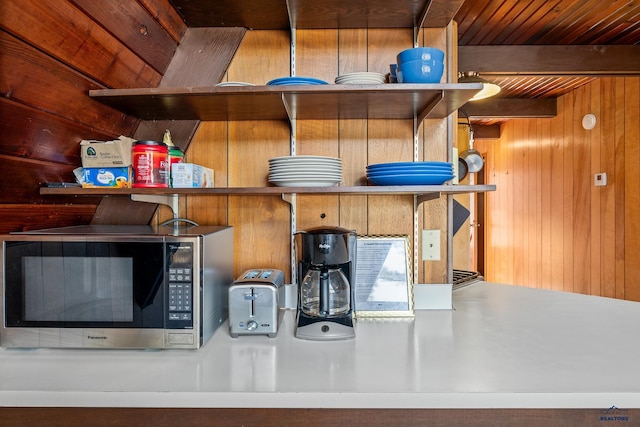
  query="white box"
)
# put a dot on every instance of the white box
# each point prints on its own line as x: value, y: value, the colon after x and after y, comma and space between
x: 190, y: 175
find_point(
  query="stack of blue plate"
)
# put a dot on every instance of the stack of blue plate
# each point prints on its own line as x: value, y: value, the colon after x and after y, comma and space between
x: 410, y: 173
x: 289, y: 81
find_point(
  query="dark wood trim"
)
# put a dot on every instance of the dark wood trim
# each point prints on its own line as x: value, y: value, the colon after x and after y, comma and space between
x: 506, y: 108
x: 122, y: 210
x: 551, y: 60
x: 23, y: 217
x: 277, y: 417
x: 441, y: 12
x: 311, y: 14
x: 131, y: 23
x: 486, y: 131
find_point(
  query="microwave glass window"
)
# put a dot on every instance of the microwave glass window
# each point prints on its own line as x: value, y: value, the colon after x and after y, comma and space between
x: 78, y: 289
x: 85, y: 284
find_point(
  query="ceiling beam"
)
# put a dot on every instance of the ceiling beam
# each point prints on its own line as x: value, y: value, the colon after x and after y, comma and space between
x: 440, y: 12
x: 550, y: 60
x: 486, y: 131
x: 510, y: 108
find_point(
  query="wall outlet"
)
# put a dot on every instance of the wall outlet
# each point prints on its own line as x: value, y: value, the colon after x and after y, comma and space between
x: 431, y: 245
x: 600, y: 179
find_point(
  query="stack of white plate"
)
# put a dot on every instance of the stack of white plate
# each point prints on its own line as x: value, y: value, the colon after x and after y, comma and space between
x: 305, y: 171
x: 364, y: 78
x: 229, y: 84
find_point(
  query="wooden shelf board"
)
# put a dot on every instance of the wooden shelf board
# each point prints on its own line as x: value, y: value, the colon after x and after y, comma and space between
x: 247, y: 191
x: 321, y: 102
x: 315, y: 14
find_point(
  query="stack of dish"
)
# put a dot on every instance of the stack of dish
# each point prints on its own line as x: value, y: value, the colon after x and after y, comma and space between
x: 229, y: 84
x: 305, y: 171
x: 289, y: 81
x: 420, y: 65
x: 410, y: 173
x: 364, y: 78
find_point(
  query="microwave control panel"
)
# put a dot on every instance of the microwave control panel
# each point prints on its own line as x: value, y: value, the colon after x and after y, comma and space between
x: 180, y: 285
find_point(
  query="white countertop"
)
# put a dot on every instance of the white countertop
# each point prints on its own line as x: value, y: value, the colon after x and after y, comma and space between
x: 501, y: 347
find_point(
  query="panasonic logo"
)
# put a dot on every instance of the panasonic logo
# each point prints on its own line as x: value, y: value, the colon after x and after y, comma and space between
x: 91, y: 337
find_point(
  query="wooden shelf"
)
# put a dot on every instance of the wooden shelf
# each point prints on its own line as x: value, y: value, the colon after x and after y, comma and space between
x: 256, y: 191
x: 317, y: 14
x: 315, y: 102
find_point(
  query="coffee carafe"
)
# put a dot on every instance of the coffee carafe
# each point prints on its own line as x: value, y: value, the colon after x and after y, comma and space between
x: 325, y: 295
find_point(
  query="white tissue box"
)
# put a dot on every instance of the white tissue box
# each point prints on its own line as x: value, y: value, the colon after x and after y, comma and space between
x: 190, y: 175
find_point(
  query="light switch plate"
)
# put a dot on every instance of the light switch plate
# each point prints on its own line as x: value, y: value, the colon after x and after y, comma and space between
x: 431, y: 245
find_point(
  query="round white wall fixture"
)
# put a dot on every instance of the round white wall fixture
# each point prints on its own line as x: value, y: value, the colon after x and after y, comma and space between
x: 589, y: 121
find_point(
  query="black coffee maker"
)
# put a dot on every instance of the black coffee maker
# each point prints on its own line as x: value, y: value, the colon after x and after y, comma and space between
x: 326, y: 267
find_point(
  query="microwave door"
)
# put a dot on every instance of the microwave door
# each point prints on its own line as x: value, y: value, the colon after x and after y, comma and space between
x: 146, y: 295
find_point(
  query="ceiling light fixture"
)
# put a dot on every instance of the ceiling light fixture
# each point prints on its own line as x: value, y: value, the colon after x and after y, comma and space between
x: 488, y: 89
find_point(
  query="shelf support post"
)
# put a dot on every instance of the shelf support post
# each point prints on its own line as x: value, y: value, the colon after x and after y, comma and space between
x: 291, y: 198
x: 418, y: 24
x: 416, y: 203
x: 170, y: 200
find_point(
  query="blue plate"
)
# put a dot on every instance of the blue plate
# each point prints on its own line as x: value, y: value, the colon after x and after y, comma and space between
x: 426, y: 179
x: 406, y: 169
x: 410, y: 174
x: 408, y: 164
x: 284, y: 81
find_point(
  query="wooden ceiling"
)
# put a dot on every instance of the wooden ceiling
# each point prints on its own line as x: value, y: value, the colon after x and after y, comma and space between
x: 511, y: 40
x: 548, y: 22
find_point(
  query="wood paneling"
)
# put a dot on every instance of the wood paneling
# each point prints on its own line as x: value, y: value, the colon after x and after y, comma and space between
x: 51, y: 55
x: 541, y: 22
x: 263, y: 222
x: 29, y: 77
x: 135, y: 28
x: 24, y: 217
x: 67, y: 34
x: 548, y: 226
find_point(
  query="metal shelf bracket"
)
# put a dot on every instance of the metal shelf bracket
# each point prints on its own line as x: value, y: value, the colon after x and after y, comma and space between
x: 170, y: 200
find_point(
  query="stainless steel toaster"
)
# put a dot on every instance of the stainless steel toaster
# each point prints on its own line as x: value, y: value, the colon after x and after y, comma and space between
x: 256, y: 303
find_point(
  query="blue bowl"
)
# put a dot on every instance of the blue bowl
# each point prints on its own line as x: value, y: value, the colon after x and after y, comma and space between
x: 420, y: 53
x: 420, y: 72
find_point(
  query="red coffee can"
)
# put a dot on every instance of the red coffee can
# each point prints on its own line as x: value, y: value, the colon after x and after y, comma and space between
x: 150, y: 161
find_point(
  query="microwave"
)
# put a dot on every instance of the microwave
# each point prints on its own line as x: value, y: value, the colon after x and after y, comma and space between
x: 115, y: 286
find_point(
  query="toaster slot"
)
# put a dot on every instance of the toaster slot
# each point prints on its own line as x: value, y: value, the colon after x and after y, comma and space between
x: 252, y: 297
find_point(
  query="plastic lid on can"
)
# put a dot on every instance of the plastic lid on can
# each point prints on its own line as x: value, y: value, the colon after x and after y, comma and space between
x: 162, y: 144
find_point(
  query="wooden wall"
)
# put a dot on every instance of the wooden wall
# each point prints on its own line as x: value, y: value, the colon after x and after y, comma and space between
x: 547, y: 225
x: 239, y: 151
x: 51, y: 55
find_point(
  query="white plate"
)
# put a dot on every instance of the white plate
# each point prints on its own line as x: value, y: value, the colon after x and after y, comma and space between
x: 360, y: 78
x: 362, y: 74
x: 373, y: 79
x: 305, y: 183
x: 306, y: 168
x: 359, y: 82
x: 225, y: 84
x: 279, y: 176
x: 303, y: 159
